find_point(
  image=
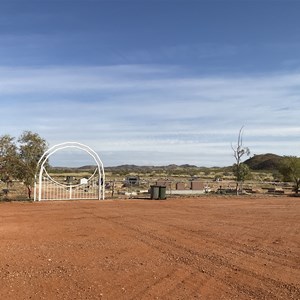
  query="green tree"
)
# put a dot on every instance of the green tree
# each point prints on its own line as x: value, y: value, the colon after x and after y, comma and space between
x: 240, y: 170
x: 290, y: 170
x: 8, y: 158
x: 31, y: 148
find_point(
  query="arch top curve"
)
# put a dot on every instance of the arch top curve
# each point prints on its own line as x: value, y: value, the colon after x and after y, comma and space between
x: 62, y: 146
x: 65, y: 145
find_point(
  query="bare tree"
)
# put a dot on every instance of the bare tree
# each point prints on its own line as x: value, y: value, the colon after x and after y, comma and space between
x: 240, y: 169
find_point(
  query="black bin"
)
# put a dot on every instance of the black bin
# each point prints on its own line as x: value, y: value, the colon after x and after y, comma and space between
x: 162, y: 192
x: 155, y: 192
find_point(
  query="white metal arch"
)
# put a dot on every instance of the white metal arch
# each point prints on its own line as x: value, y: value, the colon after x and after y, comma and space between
x: 54, y: 149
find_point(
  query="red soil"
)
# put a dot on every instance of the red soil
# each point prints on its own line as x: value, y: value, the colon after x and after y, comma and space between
x: 197, y: 248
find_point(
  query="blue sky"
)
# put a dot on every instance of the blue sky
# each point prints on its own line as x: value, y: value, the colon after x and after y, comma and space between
x: 152, y: 82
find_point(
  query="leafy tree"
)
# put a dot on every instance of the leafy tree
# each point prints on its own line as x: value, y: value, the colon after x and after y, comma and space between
x: 31, y: 148
x: 290, y: 169
x: 240, y: 170
x: 8, y: 158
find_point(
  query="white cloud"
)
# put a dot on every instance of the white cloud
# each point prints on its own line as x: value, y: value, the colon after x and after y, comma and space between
x: 153, y: 109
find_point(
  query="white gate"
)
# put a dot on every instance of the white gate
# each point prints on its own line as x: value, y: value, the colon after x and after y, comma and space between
x: 47, y: 188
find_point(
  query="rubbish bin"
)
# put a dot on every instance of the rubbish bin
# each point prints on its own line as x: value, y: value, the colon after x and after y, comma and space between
x: 154, y: 192
x: 162, y: 192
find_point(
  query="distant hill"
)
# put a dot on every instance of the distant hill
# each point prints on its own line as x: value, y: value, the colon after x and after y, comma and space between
x: 88, y: 167
x: 130, y: 168
x: 147, y: 169
x: 267, y: 161
x: 263, y: 162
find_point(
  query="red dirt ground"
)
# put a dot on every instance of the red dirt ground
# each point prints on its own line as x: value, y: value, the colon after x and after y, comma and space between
x: 196, y: 248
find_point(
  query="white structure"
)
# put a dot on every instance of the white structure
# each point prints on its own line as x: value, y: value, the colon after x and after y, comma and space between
x: 84, y: 181
x: 46, y: 188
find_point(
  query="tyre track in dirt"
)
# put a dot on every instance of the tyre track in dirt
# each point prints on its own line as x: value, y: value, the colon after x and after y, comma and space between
x: 220, y: 242
x: 208, y: 263
x: 131, y: 249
